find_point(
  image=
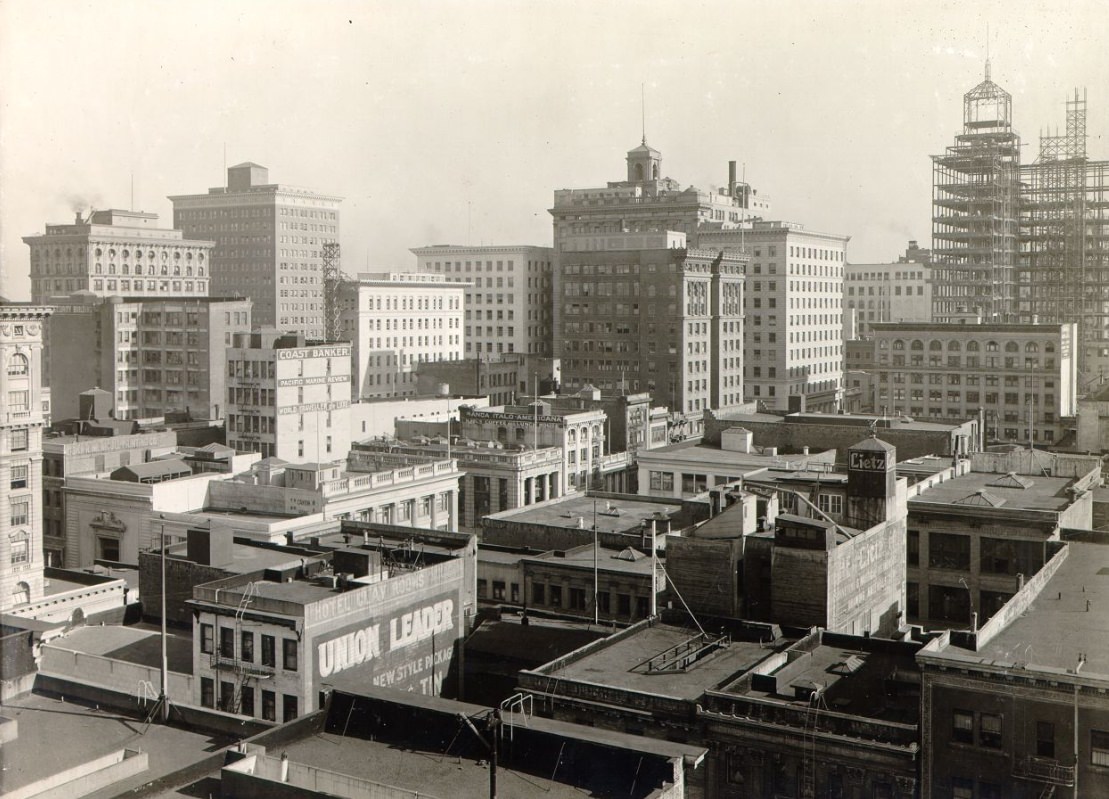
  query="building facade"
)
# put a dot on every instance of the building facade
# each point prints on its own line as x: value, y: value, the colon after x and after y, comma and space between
x: 24, y: 414
x: 268, y: 648
x: 121, y: 253
x: 269, y: 242
x: 793, y: 326
x: 894, y: 292
x: 395, y: 321
x: 288, y: 398
x: 71, y: 455
x: 1022, y: 379
x: 156, y: 356
x: 645, y: 313
x: 508, y: 295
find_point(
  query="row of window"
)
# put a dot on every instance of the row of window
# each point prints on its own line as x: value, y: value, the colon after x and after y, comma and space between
x: 246, y: 653
x: 244, y: 701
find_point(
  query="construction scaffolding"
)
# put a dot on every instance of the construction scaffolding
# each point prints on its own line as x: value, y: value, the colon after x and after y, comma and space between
x: 1064, y: 217
x: 975, y: 193
x: 333, y: 280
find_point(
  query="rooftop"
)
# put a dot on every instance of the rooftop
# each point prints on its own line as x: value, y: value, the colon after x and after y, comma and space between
x: 623, y: 663
x: 131, y: 645
x: 87, y: 733
x: 1069, y: 617
x: 851, y: 679
x: 627, y: 561
x: 1011, y: 492
x: 625, y: 514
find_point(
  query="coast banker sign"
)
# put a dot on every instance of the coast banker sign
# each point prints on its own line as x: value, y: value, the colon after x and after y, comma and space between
x: 403, y: 649
x: 312, y: 352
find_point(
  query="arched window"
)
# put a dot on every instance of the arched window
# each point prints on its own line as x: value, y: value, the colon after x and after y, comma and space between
x: 21, y: 594
x: 954, y: 346
x: 584, y: 434
x: 898, y: 344
x: 917, y: 345
x: 935, y: 345
x: 1031, y: 347
x: 639, y: 171
x: 1012, y: 346
x: 521, y: 435
x: 991, y: 346
x: 972, y: 346
x: 502, y: 435
x: 1049, y: 347
x: 18, y: 366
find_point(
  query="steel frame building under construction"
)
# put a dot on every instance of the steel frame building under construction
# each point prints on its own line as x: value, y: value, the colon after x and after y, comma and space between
x: 1064, y: 241
x: 1021, y: 243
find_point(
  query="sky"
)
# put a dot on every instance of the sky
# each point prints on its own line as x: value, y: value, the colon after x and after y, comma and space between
x: 454, y: 122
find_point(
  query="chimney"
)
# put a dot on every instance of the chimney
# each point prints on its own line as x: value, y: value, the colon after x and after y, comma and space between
x: 77, y: 220
x: 731, y: 175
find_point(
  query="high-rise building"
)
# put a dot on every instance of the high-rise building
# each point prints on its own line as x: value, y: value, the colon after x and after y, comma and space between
x: 508, y: 296
x: 793, y: 341
x: 156, y: 355
x: 889, y: 292
x: 117, y: 252
x: 975, y: 210
x: 395, y: 321
x: 268, y: 245
x: 288, y: 398
x: 24, y: 412
x: 644, y: 312
x: 1064, y: 229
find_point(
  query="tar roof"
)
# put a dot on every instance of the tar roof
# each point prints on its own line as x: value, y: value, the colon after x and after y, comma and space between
x: 1041, y: 493
x: 626, y: 560
x: 853, y: 680
x: 1070, y: 616
x: 622, y: 664
x: 625, y: 513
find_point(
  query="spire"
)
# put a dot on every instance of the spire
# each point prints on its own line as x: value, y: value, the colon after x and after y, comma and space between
x: 987, y: 51
x: 643, y: 109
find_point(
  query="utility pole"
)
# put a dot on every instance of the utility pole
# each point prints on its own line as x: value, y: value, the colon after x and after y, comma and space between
x: 596, y: 608
x: 654, y: 568
x: 164, y: 699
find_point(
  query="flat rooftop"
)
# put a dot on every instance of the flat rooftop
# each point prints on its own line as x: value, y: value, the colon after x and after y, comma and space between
x: 245, y: 558
x: 853, y: 681
x: 701, y: 456
x: 246, y: 516
x: 1010, y: 492
x: 130, y: 644
x: 45, y: 724
x: 608, y: 559
x: 1059, y: 624
x: 623, y: 663
x: 566, y: 511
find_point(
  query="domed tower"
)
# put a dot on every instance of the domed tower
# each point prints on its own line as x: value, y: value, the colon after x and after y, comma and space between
x: 644, y: 163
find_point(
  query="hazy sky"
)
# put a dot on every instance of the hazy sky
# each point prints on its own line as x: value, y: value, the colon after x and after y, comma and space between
x: 453, y: 122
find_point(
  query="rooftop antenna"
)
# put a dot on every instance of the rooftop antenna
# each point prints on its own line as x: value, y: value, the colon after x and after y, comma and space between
x: 987, y: 51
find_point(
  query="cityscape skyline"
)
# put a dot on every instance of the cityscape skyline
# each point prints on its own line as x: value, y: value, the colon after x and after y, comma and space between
x: 507, y: 101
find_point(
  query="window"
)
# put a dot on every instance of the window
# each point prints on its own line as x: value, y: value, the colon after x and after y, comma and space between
x: 227, y: 696
x: 577, y: 599
x: 21, y: 509
x: 556, y: 596
x: 498, y: 589
x: 962, y: 727
x: 913, y: 547
x: 207, y: 689
x: 19, y: 439
x: 246, y: 651
x: 1045, y: 739
x: 962, y: 788
x: 19, y: 552
x: 624, y: 604
x: 989, y: 731
x: 538, y: 594
x: 268, y: 651
x: 662, y: 481
x: 246, y: 700
x: 948, y: 551
x: 830, y: 503
x: 289, y: 654
x: 288, y: 707
x: 18, y: 365
x: 269, y: 706
x: 227, y: 642
x: 1099, y: 748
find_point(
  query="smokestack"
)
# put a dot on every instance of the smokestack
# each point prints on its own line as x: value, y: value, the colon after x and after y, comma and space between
x: 77, y: 220
x: 731, y: 175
